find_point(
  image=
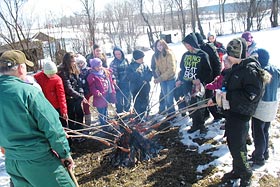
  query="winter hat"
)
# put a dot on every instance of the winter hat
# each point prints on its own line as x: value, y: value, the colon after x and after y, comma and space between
x: 96, y: 62
x: 237, y: 48
x: 211, y: 34
x: 50, y: 68
x: 247, y: 36
x: 137, y: 54
x: 191, y: 40
x: 263, y: 57
x: 80, y: 59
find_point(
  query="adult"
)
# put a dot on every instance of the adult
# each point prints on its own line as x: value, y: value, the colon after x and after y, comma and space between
x: 244, y: 88
x: 266, y: 111
x: 166, y: 72
x: 139, y: 75
x: 195, y: 72
x: 33, y: 130
x: 69, y: 73
x: 84, y: 72
x: 52, y: 87
x: 119, y: 66
x: 102, y: 88
x: 97, y: 53
x: 251, y: 44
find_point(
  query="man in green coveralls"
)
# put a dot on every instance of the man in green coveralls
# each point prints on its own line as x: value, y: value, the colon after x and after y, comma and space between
x: 30, y: 129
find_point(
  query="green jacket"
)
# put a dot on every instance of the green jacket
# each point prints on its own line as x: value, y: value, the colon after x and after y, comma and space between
x: 29, y: 125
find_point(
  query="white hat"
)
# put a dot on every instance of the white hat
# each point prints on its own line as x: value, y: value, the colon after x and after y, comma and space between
x: 50, y: 68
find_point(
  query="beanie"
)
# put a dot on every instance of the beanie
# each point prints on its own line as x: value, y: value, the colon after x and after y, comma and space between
x: 263, y: 57
x: 80, y: 59
x: 237, y: 48
x: 211, y: 34
x: 137, y: 54
x: 50, y: 68
x: 96, y: 62
x: 247, y: 36
x: 191, y: 40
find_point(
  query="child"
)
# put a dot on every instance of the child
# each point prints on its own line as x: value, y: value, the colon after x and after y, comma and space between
x: 139, y: 76
x: 102, y: 88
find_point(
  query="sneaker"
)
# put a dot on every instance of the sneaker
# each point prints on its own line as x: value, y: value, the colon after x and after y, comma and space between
x: 230, y: 176
x: 266, y: 155
x: 258, y: 162
x: 192, y: 129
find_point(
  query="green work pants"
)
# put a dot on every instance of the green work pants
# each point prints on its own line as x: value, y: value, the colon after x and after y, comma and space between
x: 44, y: 172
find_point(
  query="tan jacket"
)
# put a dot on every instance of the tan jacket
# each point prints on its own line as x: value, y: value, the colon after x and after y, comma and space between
x: 166, y: 67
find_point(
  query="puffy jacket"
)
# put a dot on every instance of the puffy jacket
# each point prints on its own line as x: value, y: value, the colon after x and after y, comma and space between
x: 53, y: 90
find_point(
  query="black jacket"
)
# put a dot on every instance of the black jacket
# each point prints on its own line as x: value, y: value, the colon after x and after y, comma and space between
x: 244, y: 86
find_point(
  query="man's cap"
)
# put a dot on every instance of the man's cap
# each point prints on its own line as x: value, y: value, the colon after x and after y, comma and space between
x: 12, y: 58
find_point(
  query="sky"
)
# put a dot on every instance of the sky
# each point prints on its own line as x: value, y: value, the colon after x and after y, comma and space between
x: 264, y: 39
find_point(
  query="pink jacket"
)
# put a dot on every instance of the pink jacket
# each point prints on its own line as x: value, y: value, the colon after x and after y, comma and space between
x: 98, y: 84
x: 217, y: 83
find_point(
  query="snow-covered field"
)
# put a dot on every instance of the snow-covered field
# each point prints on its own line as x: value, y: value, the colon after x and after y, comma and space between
x: 267, y: 39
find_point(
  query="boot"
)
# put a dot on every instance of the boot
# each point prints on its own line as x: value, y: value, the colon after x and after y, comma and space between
x: 88, y: 119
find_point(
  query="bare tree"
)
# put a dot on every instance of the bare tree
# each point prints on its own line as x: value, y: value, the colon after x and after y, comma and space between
x: 262, y: 10
x: 182, y: 16
x: 15, y: 32
x: 89, y: 8
x: 274, y: 13
x: 149, y: 29
x: 222, y: 10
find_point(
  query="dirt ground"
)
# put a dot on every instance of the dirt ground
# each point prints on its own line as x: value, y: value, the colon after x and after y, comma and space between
x: 175, y: 166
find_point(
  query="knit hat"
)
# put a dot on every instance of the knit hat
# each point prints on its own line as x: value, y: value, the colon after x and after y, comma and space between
x: 191, y: 40
x: 96, y: 62
x: 50, y: 68
x: 247, y: 36
x: 80, y: 59
x: 12, y: 58
x: 237, y: 48
x: 211, y: 34
x: 263, y: 57
x: 137, y: 54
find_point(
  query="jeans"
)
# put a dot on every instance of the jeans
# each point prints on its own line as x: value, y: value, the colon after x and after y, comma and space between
x: 166, y: 88
x: 261, y: 138
x: 102, y: 116
x: 123, y: 98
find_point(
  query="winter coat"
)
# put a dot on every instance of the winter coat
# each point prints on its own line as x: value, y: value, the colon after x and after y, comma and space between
x: 252, y: 50
x: 119, y: 68
x: 138, y: 74
x: 214, y: 59
x: 220, y: 49
x: 83, y: 79
x: 196, y: 66
x: 268, y: 105
x: 165, y: 66
x: 53, y: 90
x: 101, y: 83
x: 244, y: 86
x: 72, y: 85
x: 30, y: 126
x: 217, y: 83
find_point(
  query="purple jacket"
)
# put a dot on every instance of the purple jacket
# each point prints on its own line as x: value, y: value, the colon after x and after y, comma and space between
x: 104, y: 85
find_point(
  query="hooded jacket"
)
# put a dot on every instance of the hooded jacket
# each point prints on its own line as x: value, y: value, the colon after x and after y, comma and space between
x: 244, y: 85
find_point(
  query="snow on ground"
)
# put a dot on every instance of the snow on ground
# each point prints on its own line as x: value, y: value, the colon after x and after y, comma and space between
x: 265, y: 39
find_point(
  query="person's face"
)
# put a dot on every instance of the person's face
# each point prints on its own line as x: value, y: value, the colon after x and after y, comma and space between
x: 81, y: 64
x: 98, y: 68
x: 73, y: 62
x: 227, y: 63
x: 159, y: 46
x: 118, y: 54
x: 97, y: 52
x: 140, y: 60
x: 188, y: 46
x: 211, y: 39
x: 22, y: 71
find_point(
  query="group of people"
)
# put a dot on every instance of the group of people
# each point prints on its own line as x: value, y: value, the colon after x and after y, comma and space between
x: 242, y: 71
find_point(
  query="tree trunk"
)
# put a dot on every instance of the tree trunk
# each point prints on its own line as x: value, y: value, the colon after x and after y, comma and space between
x: 274, y: 13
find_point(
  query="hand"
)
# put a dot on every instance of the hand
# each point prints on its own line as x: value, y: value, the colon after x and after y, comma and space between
x: 65, y: 116
x: 210, y: 102
x: 68, y: 162
x: 178, y: 83
x: 99, y: 94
